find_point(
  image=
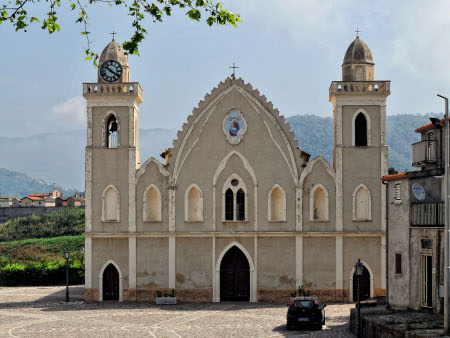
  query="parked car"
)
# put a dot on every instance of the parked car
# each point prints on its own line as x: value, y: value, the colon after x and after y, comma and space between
x: 306, y: 312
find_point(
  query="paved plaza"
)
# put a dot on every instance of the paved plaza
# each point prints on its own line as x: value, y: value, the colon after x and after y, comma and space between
x: 41, y: 312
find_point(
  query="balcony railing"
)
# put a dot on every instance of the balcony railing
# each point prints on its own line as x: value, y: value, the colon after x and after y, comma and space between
x: 427, y: 214
x: 424, y: 152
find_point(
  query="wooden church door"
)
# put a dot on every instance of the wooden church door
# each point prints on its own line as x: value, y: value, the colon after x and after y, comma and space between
x: 364, y: 285
x: 234, y: 276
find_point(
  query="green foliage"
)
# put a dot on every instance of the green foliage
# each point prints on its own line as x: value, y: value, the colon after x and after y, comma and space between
x: 14, y: 183
x: 14, y: 12
x: 68, y: 221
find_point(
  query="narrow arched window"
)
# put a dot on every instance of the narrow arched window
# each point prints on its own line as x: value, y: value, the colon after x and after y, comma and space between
x: 152, y: 205
x: 194, y: 204
x: 234, y: 200
x: 111, y: 207
x: 112, y: 132
x: 360, y: 130
x: 319, y: 204
x: 361, y: 204
x: 277, y: 204
x: 229, y: 205
x: 240, y: 205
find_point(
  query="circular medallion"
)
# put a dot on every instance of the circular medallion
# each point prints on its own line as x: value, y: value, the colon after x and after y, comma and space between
x: 234, y: 126
x: 418, y: 191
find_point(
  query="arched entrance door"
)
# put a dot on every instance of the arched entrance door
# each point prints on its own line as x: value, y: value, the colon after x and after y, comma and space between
x: 234, y: 276
x: 364, y: 285
x: 110, y: 283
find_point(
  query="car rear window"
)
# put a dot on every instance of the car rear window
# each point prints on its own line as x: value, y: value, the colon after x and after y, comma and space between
x: 306, y: 304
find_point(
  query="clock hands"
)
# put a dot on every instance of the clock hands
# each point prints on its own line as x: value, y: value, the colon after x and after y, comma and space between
x: 112, y: 71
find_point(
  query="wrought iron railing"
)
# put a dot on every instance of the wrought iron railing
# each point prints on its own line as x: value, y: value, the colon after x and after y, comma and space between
x: 424, y: 152
x: 427, y: 214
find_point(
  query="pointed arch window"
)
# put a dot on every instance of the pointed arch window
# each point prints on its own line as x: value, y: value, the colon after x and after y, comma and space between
x: 193, y: 201
x: 111, y: 204
x: 235, y: 200
x: 319, y: 203
x: 277, y: 204
x: 362, y: 204
x: 112, y: 132
x: 152, y: 204
x: 360, y: 130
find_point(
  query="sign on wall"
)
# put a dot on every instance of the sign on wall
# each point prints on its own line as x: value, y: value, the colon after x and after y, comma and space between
x: 418, y: 191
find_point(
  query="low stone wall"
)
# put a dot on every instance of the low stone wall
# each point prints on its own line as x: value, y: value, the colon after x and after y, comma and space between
x: 379, y: 322
x: 9, y: 213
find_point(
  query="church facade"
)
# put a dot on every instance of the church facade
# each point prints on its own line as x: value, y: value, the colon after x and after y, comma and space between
x: 237, y: 211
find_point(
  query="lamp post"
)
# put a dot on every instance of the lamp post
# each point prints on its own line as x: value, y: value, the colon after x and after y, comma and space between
x: 67, y: 256
x: 359, y: 270
x: 447, y: 220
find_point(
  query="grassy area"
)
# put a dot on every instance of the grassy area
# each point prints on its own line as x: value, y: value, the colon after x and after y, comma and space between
x: 66, y: 222
x: 40, y: 249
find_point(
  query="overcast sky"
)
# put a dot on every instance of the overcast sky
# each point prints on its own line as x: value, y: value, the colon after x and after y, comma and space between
x: 290, y: 50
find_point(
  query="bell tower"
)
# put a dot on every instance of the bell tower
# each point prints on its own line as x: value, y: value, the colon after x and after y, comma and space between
x: 360, y: 150
x: 112, y: 158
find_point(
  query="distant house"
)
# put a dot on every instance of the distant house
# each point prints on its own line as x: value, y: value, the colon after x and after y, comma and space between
x: 60, y: 202
x: 75, y: 201
x: 55, y: 193
x: 7, y: 201
x: 49, y: 201
x: 32, y: 201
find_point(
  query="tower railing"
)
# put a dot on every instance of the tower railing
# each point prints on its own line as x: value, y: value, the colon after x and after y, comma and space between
x: 368, y: 87
x: 109, y: 89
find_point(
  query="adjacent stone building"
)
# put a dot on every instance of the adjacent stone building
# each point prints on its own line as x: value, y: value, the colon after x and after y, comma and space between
x: 236, y: 212
x: 416, y: 226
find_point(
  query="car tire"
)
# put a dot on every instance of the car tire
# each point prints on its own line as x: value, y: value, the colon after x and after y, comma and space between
x: 289, y: 326
x: 319, y: 326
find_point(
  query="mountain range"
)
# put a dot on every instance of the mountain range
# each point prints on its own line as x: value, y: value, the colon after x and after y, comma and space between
x: 59, y: 156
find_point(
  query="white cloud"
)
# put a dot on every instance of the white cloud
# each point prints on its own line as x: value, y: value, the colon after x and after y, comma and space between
x: 72, y: 112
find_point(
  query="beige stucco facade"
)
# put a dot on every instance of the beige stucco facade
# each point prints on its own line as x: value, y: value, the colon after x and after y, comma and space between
x: 298, y: 227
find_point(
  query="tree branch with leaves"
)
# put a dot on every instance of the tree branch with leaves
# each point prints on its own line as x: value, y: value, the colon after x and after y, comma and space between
x: 17, y: 14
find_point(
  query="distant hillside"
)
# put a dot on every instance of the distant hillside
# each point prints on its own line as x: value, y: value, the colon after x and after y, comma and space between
x: 13, y: 183
x: 59, y: 157
x: 315, y: 136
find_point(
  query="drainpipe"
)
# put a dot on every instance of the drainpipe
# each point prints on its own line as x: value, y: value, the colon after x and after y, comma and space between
x: 386, y: 183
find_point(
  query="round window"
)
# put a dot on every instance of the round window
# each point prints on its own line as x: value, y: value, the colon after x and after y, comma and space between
x: 234, y: 182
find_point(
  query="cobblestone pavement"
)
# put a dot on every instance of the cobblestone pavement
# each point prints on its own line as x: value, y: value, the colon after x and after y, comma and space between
x: 41, y: 312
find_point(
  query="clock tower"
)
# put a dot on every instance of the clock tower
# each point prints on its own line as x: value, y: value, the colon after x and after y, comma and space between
x: 112, y: 158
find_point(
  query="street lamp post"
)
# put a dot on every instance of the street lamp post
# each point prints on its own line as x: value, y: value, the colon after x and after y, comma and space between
x: 359, y: 270
x: 447, y: 220
x: 67, y: 255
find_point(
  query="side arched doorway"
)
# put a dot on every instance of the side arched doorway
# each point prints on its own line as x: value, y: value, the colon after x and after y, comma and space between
x: 234, y: 276
x: 111, y: 285
x: 364, y: 285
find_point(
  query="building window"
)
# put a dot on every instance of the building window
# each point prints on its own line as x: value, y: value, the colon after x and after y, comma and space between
x: 360, y: 130
x: 398, y: 264
x: 319, y: 203
x: 398, y: 193
x: 152, y: 204
x: 111, y: 205
x: 235, y: 200
x: 112, y: 132
x: 361, y: 204
x: 277, y: 204
x: 193, y: 204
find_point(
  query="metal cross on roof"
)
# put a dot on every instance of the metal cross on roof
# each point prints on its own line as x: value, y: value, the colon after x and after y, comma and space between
x: 113, y: 33
x: 357, y: 32
x: 234, y: 69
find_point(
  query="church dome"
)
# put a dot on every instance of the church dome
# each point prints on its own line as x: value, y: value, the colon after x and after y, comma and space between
x: 358, y: 62
x: 114, y: 52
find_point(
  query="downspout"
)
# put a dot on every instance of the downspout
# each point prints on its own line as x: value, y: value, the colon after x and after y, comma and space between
x: 386, y: 183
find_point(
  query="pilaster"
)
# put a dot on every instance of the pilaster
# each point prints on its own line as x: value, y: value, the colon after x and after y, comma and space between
x: 172, y: 262
x: 132, y: 262
x: 339, y: 262
x: 298, y: 261
x: 88, y: 262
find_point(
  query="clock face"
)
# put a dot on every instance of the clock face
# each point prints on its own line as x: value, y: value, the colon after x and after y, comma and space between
x: 111, y: 71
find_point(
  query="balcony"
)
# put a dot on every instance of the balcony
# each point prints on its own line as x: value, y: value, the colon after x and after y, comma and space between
x: 424, y: 152
x: 427, y: 214
x: 367, y: 87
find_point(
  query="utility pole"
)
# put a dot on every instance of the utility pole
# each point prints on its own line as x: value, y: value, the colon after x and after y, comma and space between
x: 447, y: 221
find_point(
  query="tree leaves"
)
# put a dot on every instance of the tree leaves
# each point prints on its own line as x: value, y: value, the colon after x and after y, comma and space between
x: 14, y: 12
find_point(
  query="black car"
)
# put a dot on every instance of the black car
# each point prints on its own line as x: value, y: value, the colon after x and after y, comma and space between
x: 306, y: 312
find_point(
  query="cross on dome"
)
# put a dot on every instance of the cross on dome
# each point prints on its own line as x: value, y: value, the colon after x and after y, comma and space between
x: 357, y: 32
x: 113, y: 33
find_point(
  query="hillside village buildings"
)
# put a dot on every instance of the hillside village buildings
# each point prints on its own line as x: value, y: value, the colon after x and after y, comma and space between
x: 51, y: 199
x: 237, y: 212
